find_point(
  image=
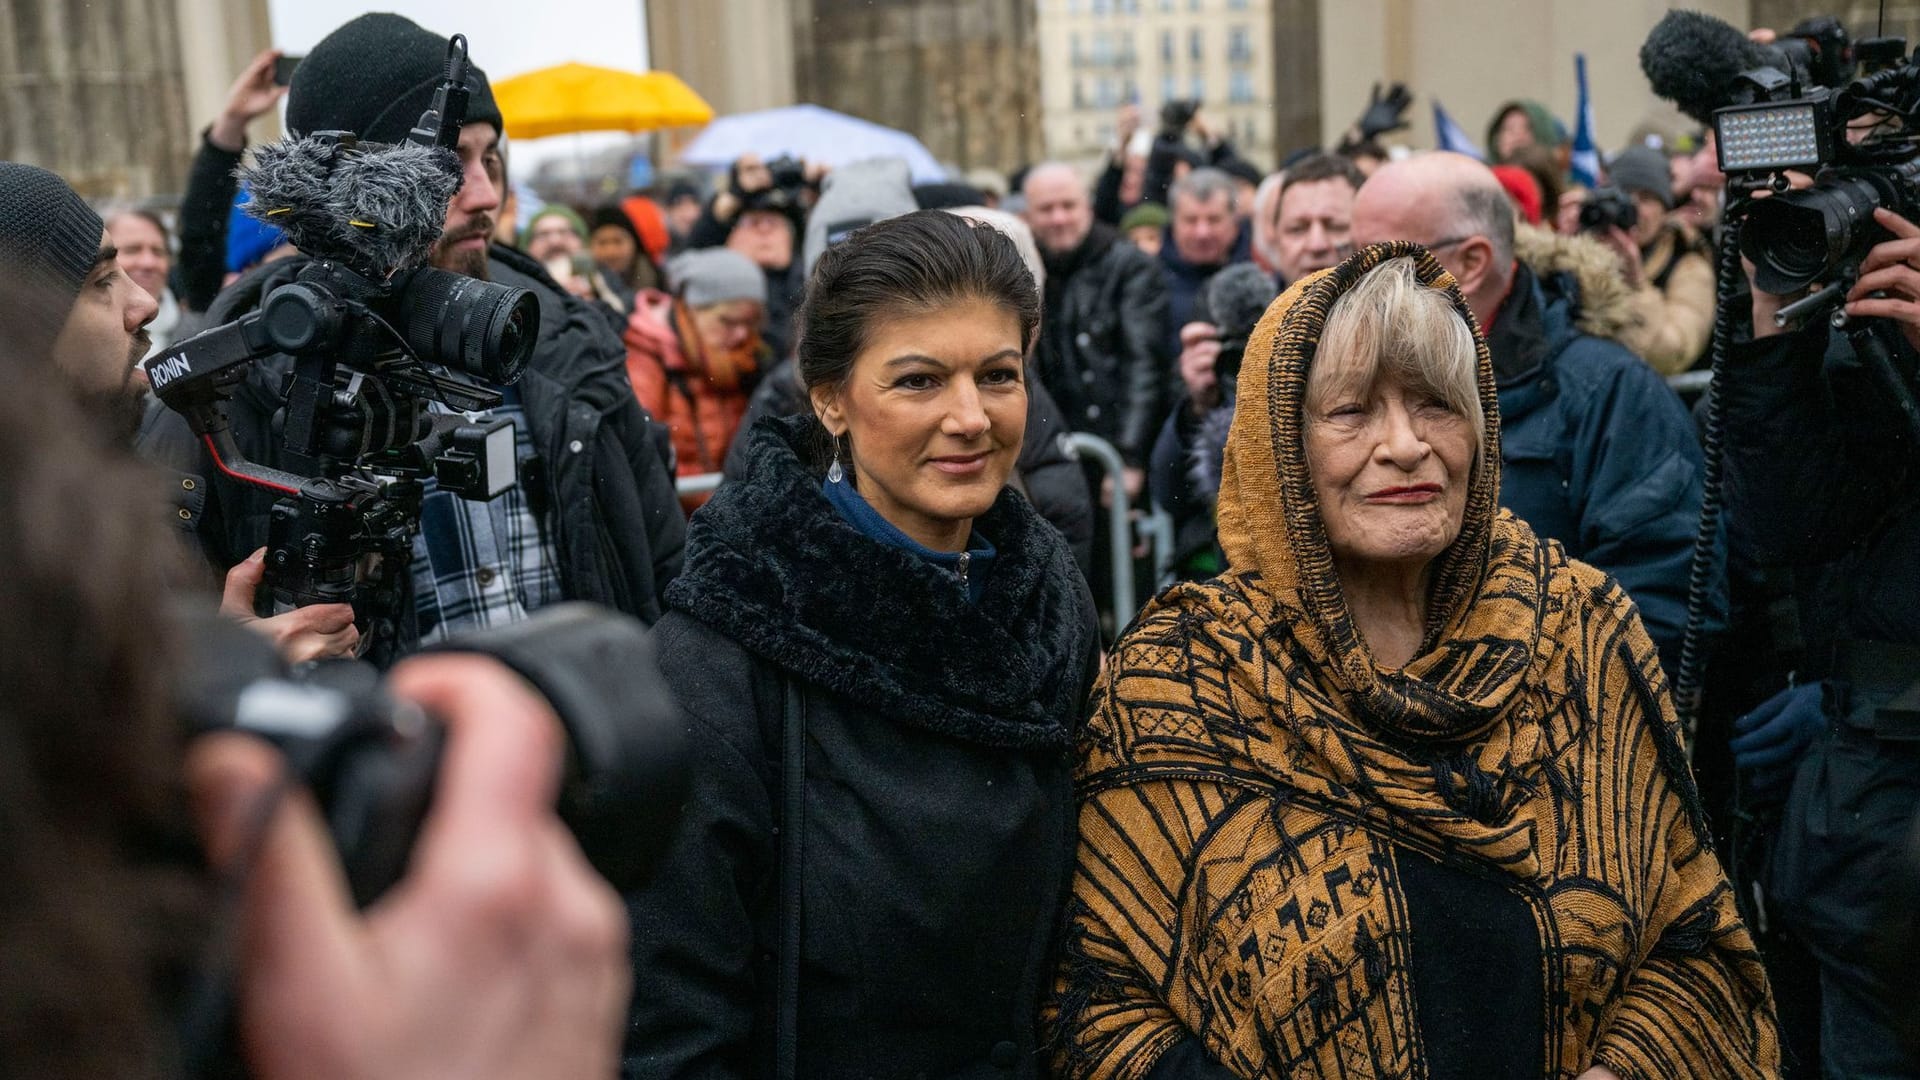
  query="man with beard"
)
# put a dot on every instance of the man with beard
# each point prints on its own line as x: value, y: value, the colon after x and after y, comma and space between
x: 595, y: 516
x: 66, y: 299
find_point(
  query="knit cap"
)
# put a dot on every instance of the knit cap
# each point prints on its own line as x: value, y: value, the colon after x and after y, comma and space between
x: 1148, y: 215
x: 374, y: 76
x: 854, y: 195
x: 1642, y: 168
x: 709, y: 276
x: 559, y: 210
x: 49, y: 242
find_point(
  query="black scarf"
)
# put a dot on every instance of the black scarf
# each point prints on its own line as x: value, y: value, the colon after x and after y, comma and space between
x: 772, y: 565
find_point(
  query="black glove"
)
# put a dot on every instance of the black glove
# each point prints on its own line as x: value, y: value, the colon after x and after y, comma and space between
x: 1387, y: 113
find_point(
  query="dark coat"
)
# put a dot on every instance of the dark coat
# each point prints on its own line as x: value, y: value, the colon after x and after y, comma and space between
x: 1595, y: 450
x: 604, y: 475
x: 1102, y: 352
x: 1049, y: 476
x: 1816, y: 482
x: 1185, y: 282
x: 939, y: 814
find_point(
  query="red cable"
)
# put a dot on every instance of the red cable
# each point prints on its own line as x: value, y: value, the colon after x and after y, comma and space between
x: 243, y: 478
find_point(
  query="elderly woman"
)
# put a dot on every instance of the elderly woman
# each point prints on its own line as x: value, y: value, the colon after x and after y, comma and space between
x: 1401, y: 793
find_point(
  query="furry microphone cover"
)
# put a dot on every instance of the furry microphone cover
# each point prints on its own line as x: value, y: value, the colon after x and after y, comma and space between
x: 316, y: 190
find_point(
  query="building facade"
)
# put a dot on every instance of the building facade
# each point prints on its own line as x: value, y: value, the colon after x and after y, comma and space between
x: 1097, y: 56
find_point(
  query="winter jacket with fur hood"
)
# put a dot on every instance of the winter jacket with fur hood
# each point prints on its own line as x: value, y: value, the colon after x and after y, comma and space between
x: 938, y: 825
x: 1673, y: 308
x: 1596, y: 451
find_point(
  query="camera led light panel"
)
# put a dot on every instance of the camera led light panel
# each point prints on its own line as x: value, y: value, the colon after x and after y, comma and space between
x: 1765, y: 138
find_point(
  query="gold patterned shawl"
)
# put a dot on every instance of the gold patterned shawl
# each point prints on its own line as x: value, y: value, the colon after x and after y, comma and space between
x: 1252, y: 784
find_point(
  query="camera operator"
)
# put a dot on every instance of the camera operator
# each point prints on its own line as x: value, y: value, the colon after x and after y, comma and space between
x: 1821, y: 478
x: 595, y: 516
x: 500, y: 954
x: 64, y: 296
x: 1664, y: 262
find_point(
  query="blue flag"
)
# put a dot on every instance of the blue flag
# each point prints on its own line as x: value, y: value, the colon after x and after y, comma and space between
x: 1452, y: 136
x: 1586, y: 152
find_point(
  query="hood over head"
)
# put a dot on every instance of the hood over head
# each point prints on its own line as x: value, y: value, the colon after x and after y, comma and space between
x: 1484, y: 588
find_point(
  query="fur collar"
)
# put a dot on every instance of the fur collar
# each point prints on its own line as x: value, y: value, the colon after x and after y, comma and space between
x: 771, y: 565
x: 1583, y: 271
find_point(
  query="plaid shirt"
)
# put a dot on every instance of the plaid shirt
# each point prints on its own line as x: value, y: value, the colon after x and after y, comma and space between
x: 482, y: 564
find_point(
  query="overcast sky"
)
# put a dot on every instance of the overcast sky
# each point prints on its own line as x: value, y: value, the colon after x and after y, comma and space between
x: 507, y: 37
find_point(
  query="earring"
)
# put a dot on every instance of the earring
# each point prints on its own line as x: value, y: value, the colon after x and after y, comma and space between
x: 834, y: 475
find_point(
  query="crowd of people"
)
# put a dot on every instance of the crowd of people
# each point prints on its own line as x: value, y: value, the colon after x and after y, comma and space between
x: 1387, y: 777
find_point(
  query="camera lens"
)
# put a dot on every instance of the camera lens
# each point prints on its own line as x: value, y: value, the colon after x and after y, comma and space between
x: 479, y: 327
x: 1797, y: 238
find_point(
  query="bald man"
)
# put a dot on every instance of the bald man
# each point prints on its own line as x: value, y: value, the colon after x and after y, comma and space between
x: 1596, y: 452
x: 1100, y: 352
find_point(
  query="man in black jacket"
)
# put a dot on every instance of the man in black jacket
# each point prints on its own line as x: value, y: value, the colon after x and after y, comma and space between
x: 595, y: 516
x: 1821, y: 463
x: 1102, y: 339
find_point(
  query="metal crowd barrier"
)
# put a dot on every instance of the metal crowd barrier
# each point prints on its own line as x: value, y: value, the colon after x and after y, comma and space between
x: 1689, y: 383
x: 698, y: 484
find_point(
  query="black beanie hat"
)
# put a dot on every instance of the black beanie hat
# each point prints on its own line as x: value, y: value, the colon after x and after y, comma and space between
x: 610, y: 214
x: 374, y: 77
x: 49, y: 242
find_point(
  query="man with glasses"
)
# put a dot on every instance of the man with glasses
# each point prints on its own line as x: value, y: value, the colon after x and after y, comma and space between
x: 1596, y: 452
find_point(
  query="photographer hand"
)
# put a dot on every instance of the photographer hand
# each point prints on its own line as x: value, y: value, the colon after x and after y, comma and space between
x: 1633, y: 266
x: 1770, y: 739
x: 1384, y: 114
x: 1125, y: 124
x: 1890, y: 268
x: 320, y: 632
x: 252, y: 94
x: 501, y: 954
x: 1199, y: 356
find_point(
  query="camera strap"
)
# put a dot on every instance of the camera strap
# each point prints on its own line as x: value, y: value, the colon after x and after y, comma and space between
x: 792, y: 830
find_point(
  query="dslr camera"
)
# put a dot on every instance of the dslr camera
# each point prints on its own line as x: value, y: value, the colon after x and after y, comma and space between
x: 1607, y: 208
x: 1176, y: 116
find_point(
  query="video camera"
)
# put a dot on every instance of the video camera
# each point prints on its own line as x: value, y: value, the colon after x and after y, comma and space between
x: 1814, y: 103
x: 375, y: 335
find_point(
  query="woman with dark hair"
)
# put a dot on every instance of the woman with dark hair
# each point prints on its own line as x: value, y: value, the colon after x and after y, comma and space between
x: 617, y: 249
x: 885, y: 653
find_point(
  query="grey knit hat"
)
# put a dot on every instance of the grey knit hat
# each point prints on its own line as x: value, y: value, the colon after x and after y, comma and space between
x: 714, y: 276
x: 49, y: 242
x: 374, y: 76
x: 854, y: 195
x: 1642, y: 168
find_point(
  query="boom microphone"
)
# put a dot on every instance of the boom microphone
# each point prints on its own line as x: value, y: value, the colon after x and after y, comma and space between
x: 1692, y: 60
x: 373, y: 207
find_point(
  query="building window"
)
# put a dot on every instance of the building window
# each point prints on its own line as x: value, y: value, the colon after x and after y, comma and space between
x: 1240, y: 87
x: 1073, y: 43
x: 1239, y: 45
x: 1193, y: 5
x: 1103, y: 94
x: 1236, y: 5
x: 1079, y: 94
x: 1166, y: 46
x: 1102, y: 47
x: 1100, y: 7
x: 1196, y: 47
x: 1199, y: 87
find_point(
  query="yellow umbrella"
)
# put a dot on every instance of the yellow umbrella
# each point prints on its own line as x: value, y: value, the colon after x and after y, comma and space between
x: 573, y: 98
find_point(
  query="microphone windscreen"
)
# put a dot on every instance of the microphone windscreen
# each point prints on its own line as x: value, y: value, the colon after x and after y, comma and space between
x: 377, y: 208
x: 1692, y: 60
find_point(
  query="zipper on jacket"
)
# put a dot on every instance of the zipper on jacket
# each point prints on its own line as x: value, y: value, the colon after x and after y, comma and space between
x: 965, y: 558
